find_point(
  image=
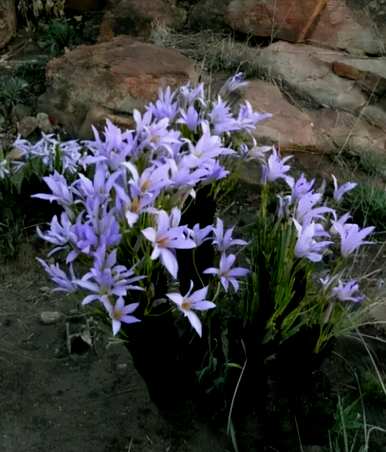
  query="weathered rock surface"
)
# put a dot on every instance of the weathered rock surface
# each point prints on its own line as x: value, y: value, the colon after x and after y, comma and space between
x: 7, y: 21
x: 119, y: 75
x: 138, y: 17
x: 307, y: 72
x: 338, y: 24
x: 289, y: 127
x: 322, y: 130
x: 342, y: 131
x: 370, y: 74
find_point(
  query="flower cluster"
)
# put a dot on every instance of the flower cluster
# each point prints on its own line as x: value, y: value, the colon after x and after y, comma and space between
x: 320, y: 229
x: 123, y: 205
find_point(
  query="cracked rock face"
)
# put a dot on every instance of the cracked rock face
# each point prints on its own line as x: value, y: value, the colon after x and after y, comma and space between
x: 7, y: 21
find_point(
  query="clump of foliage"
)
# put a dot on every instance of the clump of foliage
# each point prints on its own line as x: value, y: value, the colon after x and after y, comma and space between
x: 58, y: 34
x: 12, y: 90
x: 368, y: 204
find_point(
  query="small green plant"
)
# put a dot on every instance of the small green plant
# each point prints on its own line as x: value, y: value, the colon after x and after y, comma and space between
x: 352, y: 432
x: 367, y: 204
x: 57, y: 35
x: 12, y: 90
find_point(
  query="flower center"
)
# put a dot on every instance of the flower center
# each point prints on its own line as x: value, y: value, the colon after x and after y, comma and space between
x: 135, y: 205
x: 117, y: 314
x: 162, y: 241
x: 145, y: 185
x: 186, y: 305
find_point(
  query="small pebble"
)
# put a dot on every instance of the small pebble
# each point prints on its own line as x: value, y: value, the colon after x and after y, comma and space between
x: 50, y: 317
x: 44, y: 123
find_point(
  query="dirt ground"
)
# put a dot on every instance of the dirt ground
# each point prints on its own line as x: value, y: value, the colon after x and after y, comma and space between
x: 53, y: 401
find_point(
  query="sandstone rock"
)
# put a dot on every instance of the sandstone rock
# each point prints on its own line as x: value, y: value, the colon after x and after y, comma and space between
x: 370, y: 74
x: 289, y: 127
x: 341, y: 131
x: 119, y: 75
x: 44, y: 123
x: 138, y: 17
x: 27, y: 125
x: 7, y: 21
x: 337, y: 24
x: 310, y: 130
x: 306, y: 72
x: 97, y: 117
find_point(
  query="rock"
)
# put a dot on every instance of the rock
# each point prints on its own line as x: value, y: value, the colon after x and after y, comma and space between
x: 7, y: 21
x: 305, y: 71
x: 341, y: 131
x: 50, y: 317
x: 120, y: 75
x: 97, y: 117
x: 376, y: 114
x: 289, y: 127
x: 138, y: 17
x: 338, y: 24
x: 370, y: 74
x: 44, y: 123
x: 320, y: 130
x: 27, y: 125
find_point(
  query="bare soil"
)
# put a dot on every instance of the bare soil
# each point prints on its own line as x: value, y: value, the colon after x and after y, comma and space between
x: 51, y: 400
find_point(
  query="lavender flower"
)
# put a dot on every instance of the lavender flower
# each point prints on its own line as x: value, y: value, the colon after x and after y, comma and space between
x: 165, y: 240
x: 223, y: 239
x: 351, y: 237
x: 348, y: 291
x: 306, y: 211
x: 198, y: 235
x: 190, y: 118
x: 64, y: 282
x: 306, y: 245
x: 190, y: 95
x: 164, y: 107
x: 340, y: 191
x: 113, y: 150
x: 59, y: 234
x: 234, y: 83
x: 61, y: 192
x: 207, y: 147
x: 301, y: 187
x: 226, y: 273
x: 222, y: 118
x: 248, y: 118
x: 191, y: 302
x: 275, y: 168
x: 107, y: 279
x: 119, y: 313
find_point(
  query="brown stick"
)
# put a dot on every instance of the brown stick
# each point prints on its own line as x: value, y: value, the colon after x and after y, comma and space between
x: 316, y: 13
